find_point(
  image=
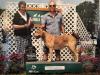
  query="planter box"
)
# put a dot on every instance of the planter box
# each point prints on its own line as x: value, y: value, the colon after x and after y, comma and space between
x: 53, y: 67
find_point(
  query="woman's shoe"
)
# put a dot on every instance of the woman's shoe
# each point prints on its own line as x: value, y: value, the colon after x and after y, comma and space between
x: 45, y: 57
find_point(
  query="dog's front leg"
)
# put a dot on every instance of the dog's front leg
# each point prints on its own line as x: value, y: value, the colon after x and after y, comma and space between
x: 50, y: 54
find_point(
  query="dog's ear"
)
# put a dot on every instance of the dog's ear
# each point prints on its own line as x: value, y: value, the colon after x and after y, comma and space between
x: 75, y: 35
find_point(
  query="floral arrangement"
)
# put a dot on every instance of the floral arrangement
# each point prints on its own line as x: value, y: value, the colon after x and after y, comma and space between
x: 86, y: 55
x: 16, y: 62
x: 87, y: 58
x: 2, y: 59
x: 16, y: 57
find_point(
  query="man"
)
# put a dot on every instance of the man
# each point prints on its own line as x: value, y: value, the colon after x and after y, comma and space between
x: 52, y: 22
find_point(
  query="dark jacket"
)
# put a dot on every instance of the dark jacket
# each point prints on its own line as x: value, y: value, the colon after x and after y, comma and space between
x: 18, y: 20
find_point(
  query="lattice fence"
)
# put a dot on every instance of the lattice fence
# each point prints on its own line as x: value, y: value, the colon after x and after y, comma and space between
x: 72, y: 22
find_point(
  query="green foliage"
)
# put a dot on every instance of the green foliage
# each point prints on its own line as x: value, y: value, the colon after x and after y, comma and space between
x: 89, y: 51
x: 86, y: 11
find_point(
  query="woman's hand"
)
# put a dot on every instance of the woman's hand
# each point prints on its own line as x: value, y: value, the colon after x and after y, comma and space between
x: 29, y: 22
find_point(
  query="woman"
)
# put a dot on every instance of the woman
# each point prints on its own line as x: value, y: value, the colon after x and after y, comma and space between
x: 22, y: 24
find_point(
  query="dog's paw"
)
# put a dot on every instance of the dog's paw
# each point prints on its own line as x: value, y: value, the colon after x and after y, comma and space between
x: 76, y: 60
x: 49, y: 60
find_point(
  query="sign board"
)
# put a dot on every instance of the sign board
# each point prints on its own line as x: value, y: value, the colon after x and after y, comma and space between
x: 53, y: 67
x: 36, y: 14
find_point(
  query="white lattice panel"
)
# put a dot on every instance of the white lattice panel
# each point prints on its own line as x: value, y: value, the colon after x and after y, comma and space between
x: 72, y: 22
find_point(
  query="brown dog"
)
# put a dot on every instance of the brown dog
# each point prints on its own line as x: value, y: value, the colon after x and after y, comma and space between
x: 58, y: 42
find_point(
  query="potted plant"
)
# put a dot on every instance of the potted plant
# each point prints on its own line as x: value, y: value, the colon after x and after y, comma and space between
x: 88, y: 60
x: 16, y: 65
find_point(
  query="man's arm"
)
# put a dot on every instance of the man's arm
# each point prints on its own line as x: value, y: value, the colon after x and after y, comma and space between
x: 43, y: 22
x: 62, y: 28
x: 62, y: 24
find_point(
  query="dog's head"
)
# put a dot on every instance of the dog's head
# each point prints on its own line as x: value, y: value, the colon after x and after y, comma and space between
x: 38, y: 33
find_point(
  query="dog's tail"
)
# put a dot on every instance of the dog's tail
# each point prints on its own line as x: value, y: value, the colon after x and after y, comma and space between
x: 75, y: 35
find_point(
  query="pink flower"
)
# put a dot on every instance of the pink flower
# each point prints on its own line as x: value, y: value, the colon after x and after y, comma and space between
x: 2, y: 58
x: 16, y: 56
x: 85, y: 58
